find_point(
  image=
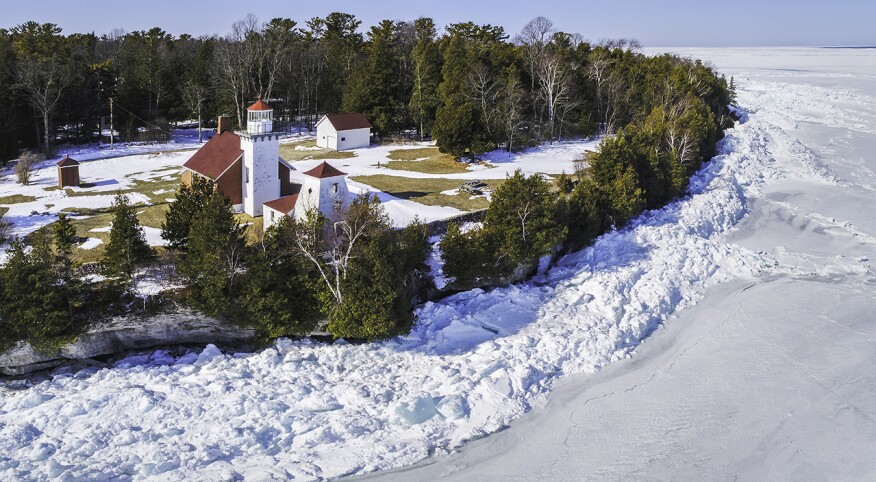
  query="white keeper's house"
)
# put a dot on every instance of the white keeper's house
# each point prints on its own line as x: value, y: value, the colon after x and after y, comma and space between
x: 343, y: 131
x: 247, y: 168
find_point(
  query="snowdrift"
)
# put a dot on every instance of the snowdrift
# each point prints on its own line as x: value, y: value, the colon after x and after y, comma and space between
x: 474, y: 362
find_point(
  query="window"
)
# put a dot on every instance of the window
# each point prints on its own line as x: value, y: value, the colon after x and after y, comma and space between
x: 343, y: 139
x: 335, y: 188
x: 246, y: 173
x: 309, y: 190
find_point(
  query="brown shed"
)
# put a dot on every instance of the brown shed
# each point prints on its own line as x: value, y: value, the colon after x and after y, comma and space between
x: 68, y: 172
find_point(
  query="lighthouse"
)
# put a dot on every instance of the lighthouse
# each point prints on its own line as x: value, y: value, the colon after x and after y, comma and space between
x: 261, y: 151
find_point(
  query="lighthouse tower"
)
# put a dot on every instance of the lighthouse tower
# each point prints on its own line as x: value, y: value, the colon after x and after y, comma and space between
x: 261, y: 150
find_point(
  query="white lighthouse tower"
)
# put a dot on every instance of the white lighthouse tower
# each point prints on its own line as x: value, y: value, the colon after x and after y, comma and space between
x: 261, y: 151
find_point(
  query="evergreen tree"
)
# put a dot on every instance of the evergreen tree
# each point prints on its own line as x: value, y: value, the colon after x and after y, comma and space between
x: 458, y: 128
x: 127, y: 247
x: 465, y: 256
x: 215, y: 254
x: 376, y: 302
x: 426, y: 76
x: 190, y: 200
x: 65, y: 241
x: 37, y: 305
x: 65, y: 235
x: 280, y: 290
x: 523, y: 215
x: 373, y: 88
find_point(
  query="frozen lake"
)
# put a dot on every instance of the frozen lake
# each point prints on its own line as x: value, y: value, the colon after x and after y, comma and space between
x: 768, y: 377
x: 754, y: 298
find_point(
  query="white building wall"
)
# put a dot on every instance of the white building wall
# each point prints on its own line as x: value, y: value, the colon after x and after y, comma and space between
x: 353, y: 139
x: 321, y: 194
x: 325, y: 132
x: 328, y: 138
x: 260, y: 178
x: 271, y: 217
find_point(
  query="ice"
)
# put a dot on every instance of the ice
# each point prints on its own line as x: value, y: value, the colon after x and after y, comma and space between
x: 766, y: 377
x: 774, y: 230
x: 416, y: 411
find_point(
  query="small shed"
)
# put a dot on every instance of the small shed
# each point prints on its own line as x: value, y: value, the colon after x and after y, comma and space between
x: 68, y: 172
x: 343, y: 131
x: 273, y: 211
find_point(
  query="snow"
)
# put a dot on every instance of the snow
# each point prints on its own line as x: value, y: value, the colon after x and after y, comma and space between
x: 776, y: 237
x: 91, y: 243
x: 767, y: 377
x: 153, y: 236
x: 107, y: 175
x: 473, y: 363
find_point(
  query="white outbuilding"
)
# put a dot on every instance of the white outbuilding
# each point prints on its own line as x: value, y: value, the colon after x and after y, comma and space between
x: 343, y: 131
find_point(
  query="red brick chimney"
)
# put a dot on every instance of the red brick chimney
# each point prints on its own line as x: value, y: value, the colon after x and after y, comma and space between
x: 223, y: 125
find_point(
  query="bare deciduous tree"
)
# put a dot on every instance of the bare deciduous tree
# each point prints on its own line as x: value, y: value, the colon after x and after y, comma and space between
x: 330, y: 245
x: 195, y: 95
x: 26, y: 165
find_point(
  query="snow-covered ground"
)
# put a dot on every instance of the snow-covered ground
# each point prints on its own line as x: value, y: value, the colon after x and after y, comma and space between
x: 106, y: 171
x: 762, y: 278
x: 768, y: 377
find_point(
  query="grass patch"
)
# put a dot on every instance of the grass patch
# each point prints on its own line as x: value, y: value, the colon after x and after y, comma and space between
x: 151, y: 216
x: 290, y: 154
x: 3, y: 211
x: 16, y: 199
x: 254, y: 228
x: 428, y: 191
x: 146, y: 187
x: 427, y: 159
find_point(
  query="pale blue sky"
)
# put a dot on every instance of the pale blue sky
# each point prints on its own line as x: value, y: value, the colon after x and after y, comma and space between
x: 654, y: 23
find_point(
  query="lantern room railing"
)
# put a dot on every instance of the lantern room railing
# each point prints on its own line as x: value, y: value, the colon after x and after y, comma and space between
x: 260, y: 121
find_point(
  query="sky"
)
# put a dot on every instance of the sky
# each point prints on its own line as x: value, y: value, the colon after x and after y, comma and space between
x: 688, y: 23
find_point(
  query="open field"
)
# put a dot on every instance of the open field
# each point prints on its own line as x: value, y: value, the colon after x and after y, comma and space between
x: 426, y: 159
x: 428, y: 191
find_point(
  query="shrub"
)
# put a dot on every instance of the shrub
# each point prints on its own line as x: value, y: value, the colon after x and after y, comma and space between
x: 26, y: 165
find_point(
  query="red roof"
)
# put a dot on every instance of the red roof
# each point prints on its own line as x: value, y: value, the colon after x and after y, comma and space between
x: 67, y: 161
x: 324, y: 170
x: 284, y: 204
x: 216, y: 156
x: 259, y: 105
x: 345, y: 122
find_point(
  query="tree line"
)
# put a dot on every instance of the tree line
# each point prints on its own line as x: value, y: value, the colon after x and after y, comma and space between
x: 471, y: 87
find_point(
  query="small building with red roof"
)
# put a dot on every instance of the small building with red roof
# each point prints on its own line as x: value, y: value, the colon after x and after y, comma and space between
x: 68, y: 172
x: 343, y: 131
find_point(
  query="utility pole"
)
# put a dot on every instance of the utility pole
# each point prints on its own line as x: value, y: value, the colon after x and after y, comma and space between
x: 112, y: 133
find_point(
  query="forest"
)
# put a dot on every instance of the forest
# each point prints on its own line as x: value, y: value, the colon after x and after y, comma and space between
x: 471, y: 89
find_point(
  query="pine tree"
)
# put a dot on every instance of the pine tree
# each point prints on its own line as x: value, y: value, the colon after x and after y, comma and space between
x: 127, y: 247
x: 523, y: 215
x: 36, y: 303
x: 280, y: 290
x: 215, y: 254
x: 190, y: 200
x: 586, y: 214
x: 65, y: 241
x: 458, y: 128
x: 426, y: 72
x: 376, y: 304
x: 374, y: 85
